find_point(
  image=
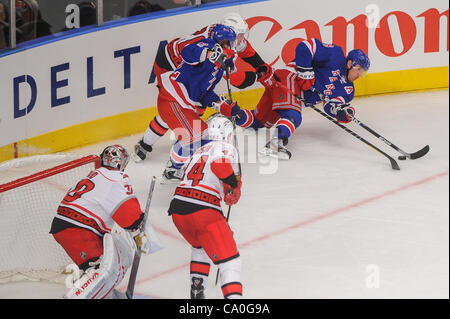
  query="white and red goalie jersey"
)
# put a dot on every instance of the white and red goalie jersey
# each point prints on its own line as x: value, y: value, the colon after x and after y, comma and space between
x: 202, y: 185
x: 105, y: 196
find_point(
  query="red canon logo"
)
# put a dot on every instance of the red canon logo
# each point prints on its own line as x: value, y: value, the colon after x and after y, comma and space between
x: 383, y: 38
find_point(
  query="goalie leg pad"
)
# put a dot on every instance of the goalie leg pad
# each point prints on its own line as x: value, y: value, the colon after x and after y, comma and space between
x: 99, y: 281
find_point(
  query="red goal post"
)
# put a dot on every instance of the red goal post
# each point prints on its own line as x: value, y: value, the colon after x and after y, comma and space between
x: 27, y: 208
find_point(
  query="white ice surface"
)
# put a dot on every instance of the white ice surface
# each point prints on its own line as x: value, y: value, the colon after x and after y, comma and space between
x: 333, y: 222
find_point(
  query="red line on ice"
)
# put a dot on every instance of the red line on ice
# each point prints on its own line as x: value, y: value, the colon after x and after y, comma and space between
x: 309, y: 221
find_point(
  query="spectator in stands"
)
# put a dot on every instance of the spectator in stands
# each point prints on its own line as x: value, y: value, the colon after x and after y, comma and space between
x: 88, y: 13
x: 29, y: 21
x: 4, y: 26
x: 190, y: 2
x: 142, y: 7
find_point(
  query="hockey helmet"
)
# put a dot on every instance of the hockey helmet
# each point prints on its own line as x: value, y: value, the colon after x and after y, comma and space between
x: 221, y: 33
x: 236, y: 22
x: 220, y: 128
x: 359, y: 57
x: 114, y: 157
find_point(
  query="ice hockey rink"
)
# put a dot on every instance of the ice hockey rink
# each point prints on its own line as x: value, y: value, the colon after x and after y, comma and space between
x: 335, y: 221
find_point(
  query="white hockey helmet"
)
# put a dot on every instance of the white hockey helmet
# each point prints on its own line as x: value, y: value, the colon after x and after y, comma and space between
x: 236, y: 22
x: 115, y: 157
x: 220, y: 128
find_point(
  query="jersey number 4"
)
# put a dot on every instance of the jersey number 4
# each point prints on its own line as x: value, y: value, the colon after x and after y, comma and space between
x: 196, y: 173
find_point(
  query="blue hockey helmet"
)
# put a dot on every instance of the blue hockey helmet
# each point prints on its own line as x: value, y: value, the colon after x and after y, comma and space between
x: 359, y: 57
x: 221, y: 32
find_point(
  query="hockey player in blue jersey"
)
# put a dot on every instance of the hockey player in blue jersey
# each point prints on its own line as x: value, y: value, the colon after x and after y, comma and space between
x: 187, y: 91
x: 317, y: 64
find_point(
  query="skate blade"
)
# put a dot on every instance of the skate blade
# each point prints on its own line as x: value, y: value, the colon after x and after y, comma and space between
x: 136, y: 158
x: 274, y: 154
x: 172, y: 181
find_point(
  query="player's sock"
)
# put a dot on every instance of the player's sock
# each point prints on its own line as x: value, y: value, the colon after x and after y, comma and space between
x: 230, y: 275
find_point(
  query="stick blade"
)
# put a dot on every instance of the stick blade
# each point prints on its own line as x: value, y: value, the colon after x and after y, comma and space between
x: 394, y: 164
x: 420, y: 153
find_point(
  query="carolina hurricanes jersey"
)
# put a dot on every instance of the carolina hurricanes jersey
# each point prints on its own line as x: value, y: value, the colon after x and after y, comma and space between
x: 200, y: 188
x: 330, y: 67
x: 97, y: 201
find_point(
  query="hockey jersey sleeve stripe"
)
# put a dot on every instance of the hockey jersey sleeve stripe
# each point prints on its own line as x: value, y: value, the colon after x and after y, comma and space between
x: 127, y: 213
x: 178, y: 91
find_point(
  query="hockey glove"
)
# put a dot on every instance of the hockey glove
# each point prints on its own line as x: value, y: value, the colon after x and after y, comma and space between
x: 264, y: 74
x: 344, y: 113
x: 232, y: 195
x: 223, y: 58
x: 142, y: 241
x: 226, y: 107
x: 305, y: 78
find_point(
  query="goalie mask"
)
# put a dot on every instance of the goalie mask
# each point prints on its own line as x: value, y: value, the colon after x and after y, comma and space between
x: 220, y: 128
x: 114, y: 157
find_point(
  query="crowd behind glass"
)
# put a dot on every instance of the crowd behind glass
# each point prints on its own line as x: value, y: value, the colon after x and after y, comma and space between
x: 38, y: 18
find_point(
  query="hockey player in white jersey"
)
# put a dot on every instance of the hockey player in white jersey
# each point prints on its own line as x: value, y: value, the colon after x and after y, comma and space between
x: 196, y: 210
x: 84, y: 225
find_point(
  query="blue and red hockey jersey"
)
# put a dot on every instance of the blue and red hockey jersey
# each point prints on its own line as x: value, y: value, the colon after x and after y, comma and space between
x: 330, y: 67
x: 198, y: 75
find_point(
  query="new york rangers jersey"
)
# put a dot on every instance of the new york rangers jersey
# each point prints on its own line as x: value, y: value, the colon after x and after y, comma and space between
x: 192, y: 83
x: 200, y: 188
x: 97, y: 201
x: 330, y: 67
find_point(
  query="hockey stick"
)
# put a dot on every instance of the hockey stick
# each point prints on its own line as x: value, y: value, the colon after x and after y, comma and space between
x: 394, y: 164
x: 227, y: 71
x: 137, y: 255
x: 411, y: 156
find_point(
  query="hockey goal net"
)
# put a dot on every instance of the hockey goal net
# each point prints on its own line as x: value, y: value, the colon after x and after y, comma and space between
x: 27, y: 208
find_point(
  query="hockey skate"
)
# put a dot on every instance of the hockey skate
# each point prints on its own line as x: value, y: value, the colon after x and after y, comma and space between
x: 197, y: 288
x: 276, y: 148
x: 140, y: 151
x: 171, y: 174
